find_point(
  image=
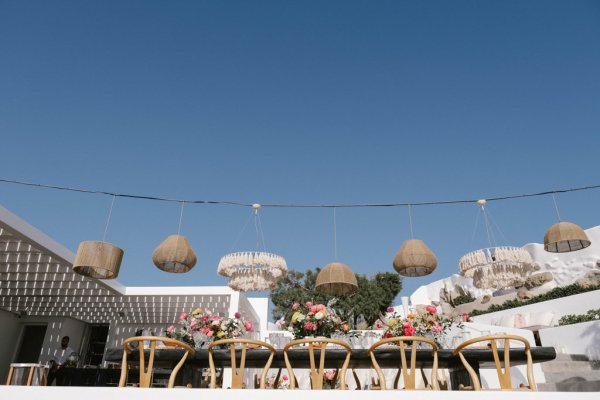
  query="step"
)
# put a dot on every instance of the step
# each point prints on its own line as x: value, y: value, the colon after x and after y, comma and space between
x: 571, y: 357
x: 569, y: 375
x: 560, y: 366
x: 578, y: 386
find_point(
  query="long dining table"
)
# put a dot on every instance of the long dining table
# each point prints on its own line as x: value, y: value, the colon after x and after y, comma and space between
x: 387, y: 357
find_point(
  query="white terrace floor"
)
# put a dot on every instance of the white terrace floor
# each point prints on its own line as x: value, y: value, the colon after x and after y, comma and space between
x: 102, y: 393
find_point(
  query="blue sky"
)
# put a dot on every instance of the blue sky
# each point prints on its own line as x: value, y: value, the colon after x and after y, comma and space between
x: 299, y: 102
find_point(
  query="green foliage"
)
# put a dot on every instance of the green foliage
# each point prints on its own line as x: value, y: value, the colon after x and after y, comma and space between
x: 372, y: 297
x: 555, y: 293
x: 463, y: 299
x: 592, y: 315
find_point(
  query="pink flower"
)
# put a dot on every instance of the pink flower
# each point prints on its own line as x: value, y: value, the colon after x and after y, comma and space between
x: 204, y: 318
x: 309, y: 326
x: 314, y: 309
x: 431, y: 309
x: 308, y: 304
x: 280, y: 322
x: 295, y: 306
x: 320, y: 307
x: 284, y: 377
x: 436, y: 328
x: 183, y: 316
x: 378, y: 325
x: 465, y: 317
x: 215, y: 317
x: 329, y: 375
x: 209, y: 333
x: 171, y: 329
x: 194, y: 323
x: 237, y: 314
x: 409, y: 330
x: 248, y: 325
x: 387, y: 335
x: 390, y: 309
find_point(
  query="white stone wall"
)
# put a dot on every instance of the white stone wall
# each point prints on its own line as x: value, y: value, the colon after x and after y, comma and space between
x: 583, y: 338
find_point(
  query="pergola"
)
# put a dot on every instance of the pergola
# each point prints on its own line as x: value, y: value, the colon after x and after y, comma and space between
x: 36, y: 279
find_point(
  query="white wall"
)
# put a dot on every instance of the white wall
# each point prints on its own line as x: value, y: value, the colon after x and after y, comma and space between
x: 576, y: 304
x: 260, y: 305
x: 8, y: 344
x: 583, y: 338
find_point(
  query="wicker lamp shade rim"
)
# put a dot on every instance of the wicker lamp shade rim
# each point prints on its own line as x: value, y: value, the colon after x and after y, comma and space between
x: 564, y: 237
x: 336, y: 278
x: 174, y: 255
x: 99, y: 260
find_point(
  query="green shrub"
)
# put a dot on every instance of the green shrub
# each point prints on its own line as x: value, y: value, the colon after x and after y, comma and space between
x: 591, y: 315
x: 464, y: 299
x: 555, y: 293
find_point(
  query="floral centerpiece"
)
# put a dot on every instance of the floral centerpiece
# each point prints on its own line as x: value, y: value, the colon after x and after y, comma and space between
x: 313, y: 320
x: 426, y: 322
x: 200, y: 327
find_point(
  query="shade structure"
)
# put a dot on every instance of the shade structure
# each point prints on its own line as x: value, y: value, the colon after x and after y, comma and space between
x: 336, y: 279
x: 564, y: 237
x: 252, y: 270
x: 174, y: 255
x: 414, y: 259
x: 98, y: 260
x: 497, y: 267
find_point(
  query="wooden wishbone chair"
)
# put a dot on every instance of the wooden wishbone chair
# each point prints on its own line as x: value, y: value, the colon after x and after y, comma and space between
x: 146, y: 372
x: 237, y: 375
x: 502, y: 367
x: 408, y: 371
x: 317, y: 374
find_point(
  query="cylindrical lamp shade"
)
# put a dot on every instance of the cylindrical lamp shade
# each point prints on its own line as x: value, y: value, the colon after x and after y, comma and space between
x: 414, y: 259
x: 564, y: 237
x: 336, y: 279
x: 98, y: 260
x: 174, y: 255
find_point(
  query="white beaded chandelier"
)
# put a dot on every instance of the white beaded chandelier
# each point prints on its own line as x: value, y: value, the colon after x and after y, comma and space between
x: 496, y: 267
x: 253, y: 270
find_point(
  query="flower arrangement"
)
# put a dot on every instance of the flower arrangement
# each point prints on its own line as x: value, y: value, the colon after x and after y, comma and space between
x: 427, y: 323
x: 282, y: 383
x: 200, y: 326
x: 316, y: 320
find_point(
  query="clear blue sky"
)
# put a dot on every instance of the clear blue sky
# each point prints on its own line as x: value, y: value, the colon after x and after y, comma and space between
x: 299, y: 102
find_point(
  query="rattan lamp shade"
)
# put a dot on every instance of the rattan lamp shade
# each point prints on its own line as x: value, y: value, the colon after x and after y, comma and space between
x: 414, y: 259
x: 336, y: 279
x: 98, y: 260
x: 564, y: 237
x: 174, y: 255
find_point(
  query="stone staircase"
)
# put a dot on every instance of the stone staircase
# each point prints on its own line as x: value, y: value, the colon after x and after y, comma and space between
x: 571, y: 373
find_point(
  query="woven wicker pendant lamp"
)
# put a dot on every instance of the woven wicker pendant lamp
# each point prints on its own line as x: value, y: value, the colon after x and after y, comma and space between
x: 564, y: 237
x: 414, y: 259
x: 336, y: 278
x: 174, y: 255
x: 100, y: 260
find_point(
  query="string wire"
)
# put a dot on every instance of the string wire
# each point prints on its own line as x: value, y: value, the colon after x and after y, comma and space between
x: 294, y: 205
x: 334, y: 236
x: 180, y: 218
x: 112, y: 203
x: 410, y: 221
x: 555, y: 206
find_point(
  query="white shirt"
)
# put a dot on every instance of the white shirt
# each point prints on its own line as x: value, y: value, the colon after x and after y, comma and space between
x: 61, y: 355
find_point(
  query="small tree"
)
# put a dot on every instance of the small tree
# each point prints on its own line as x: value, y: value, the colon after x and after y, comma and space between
x: 372, y: 297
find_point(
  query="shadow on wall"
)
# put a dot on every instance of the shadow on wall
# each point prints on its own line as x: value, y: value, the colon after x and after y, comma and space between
x: 593, y: 331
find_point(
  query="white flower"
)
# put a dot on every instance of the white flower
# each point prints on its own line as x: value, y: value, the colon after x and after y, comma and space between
x: 319, y: 315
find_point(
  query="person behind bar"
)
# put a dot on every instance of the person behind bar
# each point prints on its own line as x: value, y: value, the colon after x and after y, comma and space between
x: 58, y: 361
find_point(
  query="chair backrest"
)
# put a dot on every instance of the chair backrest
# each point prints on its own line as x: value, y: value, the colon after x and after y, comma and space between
x: 502, y: 367
x: 317, y: 374
x: 237, y: 374
x: 407, y: 370
x: 27, y: 374
x: 146, y: 370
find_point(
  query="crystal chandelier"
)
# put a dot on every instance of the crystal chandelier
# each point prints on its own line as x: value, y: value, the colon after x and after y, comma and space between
x: 253, y: 270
